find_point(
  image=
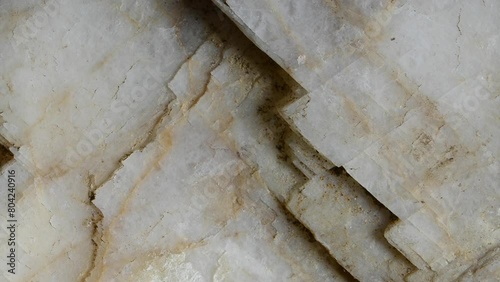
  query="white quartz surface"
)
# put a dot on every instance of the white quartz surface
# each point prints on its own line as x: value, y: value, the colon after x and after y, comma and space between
x: 404, y: 95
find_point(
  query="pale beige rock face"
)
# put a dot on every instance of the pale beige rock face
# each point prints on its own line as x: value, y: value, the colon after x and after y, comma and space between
x: 152, y: 141
x: 404, y: 95
x: 195, y: 211
x: 83, y: 85
x: 130, y: 126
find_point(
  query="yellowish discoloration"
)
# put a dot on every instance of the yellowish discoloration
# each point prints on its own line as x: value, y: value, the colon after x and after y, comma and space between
x: 165, y: 139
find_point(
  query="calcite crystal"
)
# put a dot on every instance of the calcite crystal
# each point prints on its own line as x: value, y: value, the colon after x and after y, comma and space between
x: 404, y: 95
x: 106, y: 104
x: 257, y: 140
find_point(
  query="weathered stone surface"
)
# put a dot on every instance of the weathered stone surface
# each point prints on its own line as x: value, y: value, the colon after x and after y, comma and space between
x: 404, y: 96
x: 122, y: 111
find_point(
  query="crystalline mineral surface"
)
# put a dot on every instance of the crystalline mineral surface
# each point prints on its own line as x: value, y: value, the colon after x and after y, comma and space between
x: 153, y: 141
x: 404, y: 95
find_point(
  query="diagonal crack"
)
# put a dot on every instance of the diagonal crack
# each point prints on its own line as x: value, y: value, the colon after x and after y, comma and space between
x: 456, y: 40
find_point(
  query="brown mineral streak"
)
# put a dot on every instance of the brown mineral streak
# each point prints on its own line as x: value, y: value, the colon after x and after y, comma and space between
x: 63, y: 99
x: 54, y: 259
x: 165, y: 139
x: 408, y: 88
x: 192, y: 103
x: 5, y: 156
x: 350, y: 14
x: 357, y: 115
x: 310, y: 62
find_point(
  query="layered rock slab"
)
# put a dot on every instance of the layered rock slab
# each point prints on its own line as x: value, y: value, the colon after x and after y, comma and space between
x: 197, y: 89
x: 199, y: 215
x: 87, y: 111
x: 189, y: 208
x: 408, y: 111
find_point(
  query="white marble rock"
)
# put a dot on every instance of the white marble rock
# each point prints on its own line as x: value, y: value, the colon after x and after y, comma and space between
x: 153, y: 142
x: 404, y: 95
x: 110, y: 99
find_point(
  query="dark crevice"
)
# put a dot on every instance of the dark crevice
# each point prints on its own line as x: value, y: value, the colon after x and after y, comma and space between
x: 284, y: 90
x: 5, y: 155
x: 95, y: 224
x: 318, y: 247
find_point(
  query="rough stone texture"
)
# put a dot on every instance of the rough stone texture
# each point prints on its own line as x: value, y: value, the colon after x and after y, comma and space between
x: 116, y: 113
x: 404, y: 95
x: 189, y: 203
x: 152, y: 141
